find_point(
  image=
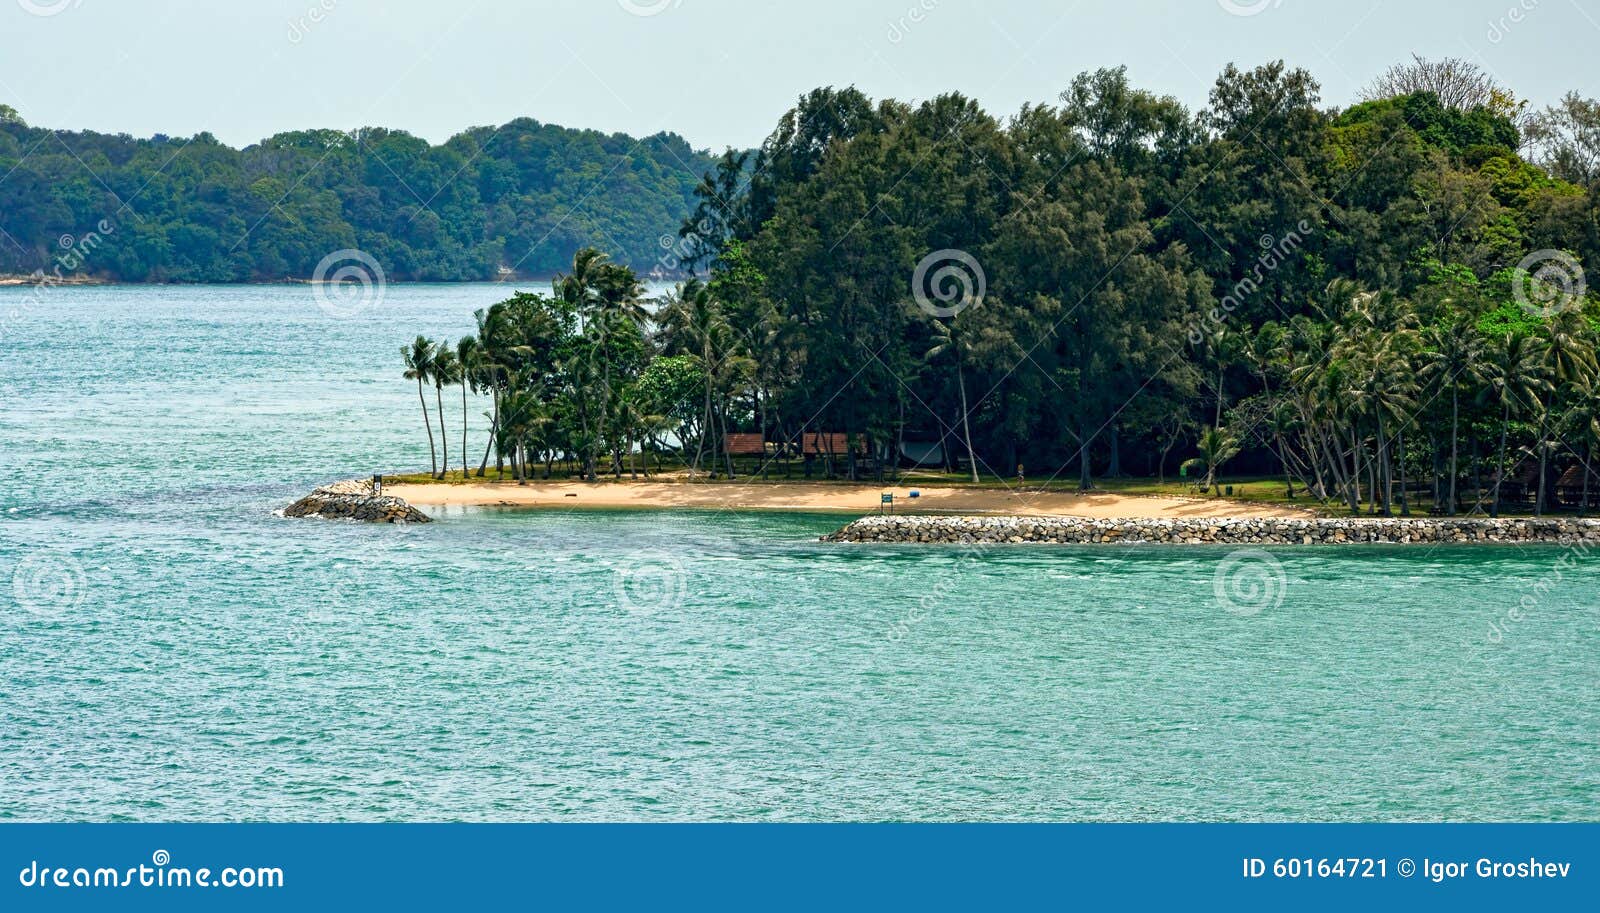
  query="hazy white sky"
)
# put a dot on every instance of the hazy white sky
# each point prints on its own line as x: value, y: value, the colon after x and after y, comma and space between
x: 719, y: 72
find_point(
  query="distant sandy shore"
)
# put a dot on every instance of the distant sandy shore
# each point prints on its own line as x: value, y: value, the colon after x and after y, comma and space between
x: 795, y: 496
x: 9, y: 280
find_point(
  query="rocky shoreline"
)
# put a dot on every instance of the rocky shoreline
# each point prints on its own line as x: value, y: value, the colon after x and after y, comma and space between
x: 1225, y: 531
x: 354, y: 500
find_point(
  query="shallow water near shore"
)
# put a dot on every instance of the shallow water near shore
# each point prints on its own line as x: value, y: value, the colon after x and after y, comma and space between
x: 174, y: 651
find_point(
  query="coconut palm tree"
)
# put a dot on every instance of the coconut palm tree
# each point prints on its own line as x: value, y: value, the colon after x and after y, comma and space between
x: 1567, y: 345
x: 442, y: 371
x: 618, y: 312
x: 1216, y: 446
x: 522, y: 417
x: 419, y: 367
x: 1379, y: 341
x: 469, y: 367
x: 1516, y: 377
x: 1583, y: 420
x: 619, y: 296
x: 579, y: 289
x: 1453, y: 354
x: 693, y: 322
x: 947, y: 338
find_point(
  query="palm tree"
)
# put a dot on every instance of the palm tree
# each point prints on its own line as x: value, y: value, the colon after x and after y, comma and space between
x: 1584, y: 421
x: 693, y: 321
x: 1216, y: 446
x: 948, y: 339
x: 1392, y: 385
x: 419, y: 367
x: 608, y: 299
x: 522, y: 416
x: 1452, y: 354
x: 469, y: 361
x: 1568, y: 349
x: 619, y: 296
x: 443, y: 371
x: 618, y: 311
x: 578, y: 289
x: 499, y: 351
x: 1378, y: 343
x: 651, y: 428
x: 1515, y: 376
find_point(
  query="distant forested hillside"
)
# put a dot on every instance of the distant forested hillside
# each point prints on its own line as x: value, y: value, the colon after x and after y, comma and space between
x: 525, y: 196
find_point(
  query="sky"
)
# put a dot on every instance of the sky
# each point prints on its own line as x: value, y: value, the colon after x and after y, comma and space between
x: 717, y: 72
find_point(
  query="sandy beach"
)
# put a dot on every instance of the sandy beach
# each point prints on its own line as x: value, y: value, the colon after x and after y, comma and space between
x: 855, y: 499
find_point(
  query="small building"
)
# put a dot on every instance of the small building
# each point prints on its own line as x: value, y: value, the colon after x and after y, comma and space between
x: 744, y: 445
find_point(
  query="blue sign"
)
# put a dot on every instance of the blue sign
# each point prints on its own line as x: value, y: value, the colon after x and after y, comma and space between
x: 876, y: 867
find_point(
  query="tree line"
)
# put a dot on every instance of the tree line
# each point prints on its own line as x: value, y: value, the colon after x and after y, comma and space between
x: 524, y: 197
x: 1381, y: 305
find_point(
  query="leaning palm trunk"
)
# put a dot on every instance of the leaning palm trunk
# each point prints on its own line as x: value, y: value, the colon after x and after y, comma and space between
x: 494, y: 432
x: 1588, y: 455
x: 727, y: 458
x: 1477, y: 476
x: 1386, y: 498
x: 1355, y: 469
x: 433, y: 455
x: 1455, y: 419
x: 444, y: 442
x: 464, y: 431
x: 1085, y: 475
x: 1405, y: 503
x: 1283, y: 463
x: 966, y: 427
x: 1500, y: 474
x: 705, y: 422
x: 1544, y: 456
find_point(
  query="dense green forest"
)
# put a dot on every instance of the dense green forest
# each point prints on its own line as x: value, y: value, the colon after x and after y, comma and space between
x: 1384, y: 306
x: 525, y: 196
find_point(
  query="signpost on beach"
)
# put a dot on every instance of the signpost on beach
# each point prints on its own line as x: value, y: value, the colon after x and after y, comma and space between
x: 886, y: 503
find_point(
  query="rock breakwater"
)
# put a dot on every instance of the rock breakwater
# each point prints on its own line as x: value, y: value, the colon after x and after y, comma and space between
x: 1227, y: 531
x: 354, y: 500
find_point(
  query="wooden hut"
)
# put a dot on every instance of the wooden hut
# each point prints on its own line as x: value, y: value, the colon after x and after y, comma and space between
x: 1570, y: 487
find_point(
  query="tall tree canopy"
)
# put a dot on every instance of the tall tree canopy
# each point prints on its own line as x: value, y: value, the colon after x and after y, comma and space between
x: 525, y: 196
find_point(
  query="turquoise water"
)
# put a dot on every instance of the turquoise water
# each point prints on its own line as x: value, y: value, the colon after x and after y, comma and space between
x: 173, y: 651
